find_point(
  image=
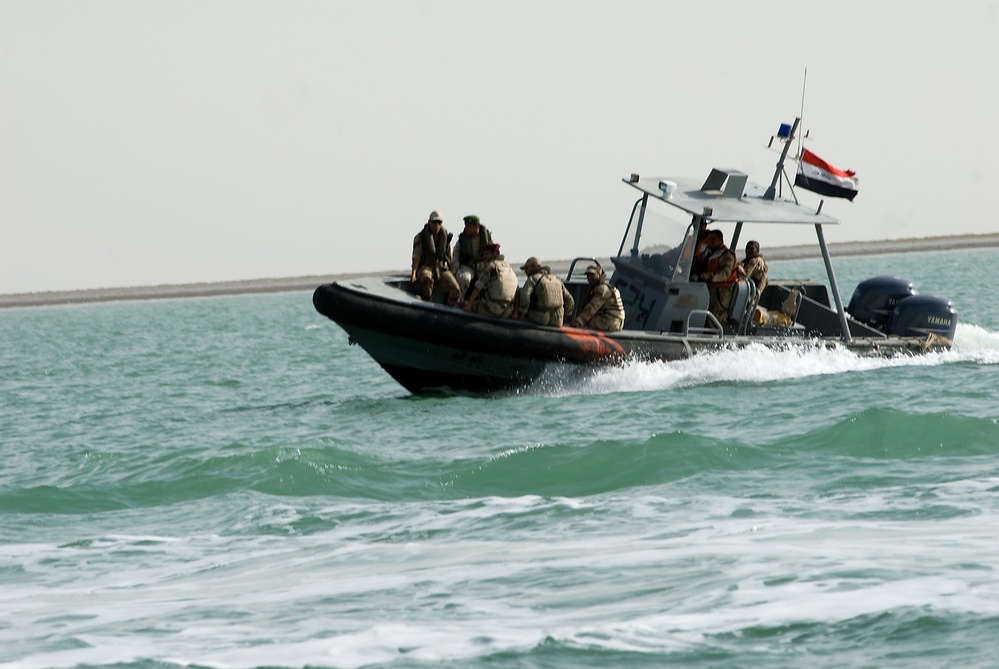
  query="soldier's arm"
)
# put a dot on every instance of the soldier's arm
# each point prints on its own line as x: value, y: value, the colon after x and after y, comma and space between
x: 470, y: 304
x: 597, y: 301
x: 524, y: 297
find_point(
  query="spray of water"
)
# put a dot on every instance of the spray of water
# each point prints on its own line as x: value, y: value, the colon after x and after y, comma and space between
x: 757, y: 364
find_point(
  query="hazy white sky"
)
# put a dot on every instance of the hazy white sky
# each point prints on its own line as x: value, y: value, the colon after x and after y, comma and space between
x: 157, y: 142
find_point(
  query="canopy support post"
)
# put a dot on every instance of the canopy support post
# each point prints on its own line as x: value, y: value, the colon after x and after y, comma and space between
x: 844, y: 325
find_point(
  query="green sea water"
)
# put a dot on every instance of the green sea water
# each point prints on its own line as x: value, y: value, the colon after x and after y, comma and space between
x: 225, y: 482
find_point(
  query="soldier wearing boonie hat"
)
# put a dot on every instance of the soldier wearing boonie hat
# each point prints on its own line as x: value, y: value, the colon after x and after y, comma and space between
x: 543, y: 299
x: 432, y: 260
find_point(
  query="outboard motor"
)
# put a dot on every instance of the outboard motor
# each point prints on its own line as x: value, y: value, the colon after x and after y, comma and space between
x: 874, y: 300
x: 922, y: 315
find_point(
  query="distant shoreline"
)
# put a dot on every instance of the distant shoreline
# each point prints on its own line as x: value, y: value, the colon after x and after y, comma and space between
x: 837, y: 250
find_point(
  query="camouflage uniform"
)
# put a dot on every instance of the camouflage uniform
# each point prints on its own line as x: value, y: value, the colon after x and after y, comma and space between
x: 722, y: 277
x: 756, y: 269
x: 433, y: 255
x: 551, y: 290
x: 497, y: 286
x: 603, y: 310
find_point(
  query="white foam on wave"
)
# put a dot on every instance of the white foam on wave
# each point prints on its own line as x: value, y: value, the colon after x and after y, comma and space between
x: 759, y: 364
x: 973, y: 342
x: 354, y: 596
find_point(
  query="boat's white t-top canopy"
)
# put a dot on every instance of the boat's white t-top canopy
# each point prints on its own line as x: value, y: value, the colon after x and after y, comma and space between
x: 727, y: 196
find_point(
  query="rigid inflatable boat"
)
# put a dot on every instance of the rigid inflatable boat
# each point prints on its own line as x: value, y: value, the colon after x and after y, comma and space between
x: 426, y: 345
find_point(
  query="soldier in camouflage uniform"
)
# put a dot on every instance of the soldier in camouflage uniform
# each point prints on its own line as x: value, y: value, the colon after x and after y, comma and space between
x: 603, y: 310
x: 754, y: 266
x: 468, y: 251
x: 721, y: 276
x: 543, y: 299
x: 432, y: 261
x: 495, y: 287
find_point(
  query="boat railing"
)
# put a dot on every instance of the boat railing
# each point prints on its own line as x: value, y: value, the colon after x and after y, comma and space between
x: 581, y: 259
x: 711, y: 325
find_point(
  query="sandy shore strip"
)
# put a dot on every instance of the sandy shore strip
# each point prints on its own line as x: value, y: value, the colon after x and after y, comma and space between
x: 837, y: 250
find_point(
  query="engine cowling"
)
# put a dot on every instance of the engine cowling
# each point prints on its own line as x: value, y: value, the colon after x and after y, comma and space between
x: 922, y: 315
x: 874, y: 300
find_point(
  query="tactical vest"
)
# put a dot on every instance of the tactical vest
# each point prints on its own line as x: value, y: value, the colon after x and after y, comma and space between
x: 502, y: 281
x: 613, y: 306
x: 547, y: 293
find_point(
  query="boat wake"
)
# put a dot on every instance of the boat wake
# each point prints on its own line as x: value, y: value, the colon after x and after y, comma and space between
x: 757, y: 364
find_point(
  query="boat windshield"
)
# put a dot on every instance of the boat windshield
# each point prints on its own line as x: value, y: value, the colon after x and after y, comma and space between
x: 658, y: 243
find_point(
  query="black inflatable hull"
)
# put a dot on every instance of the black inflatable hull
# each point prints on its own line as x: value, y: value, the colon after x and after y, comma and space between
x: 428, y: 346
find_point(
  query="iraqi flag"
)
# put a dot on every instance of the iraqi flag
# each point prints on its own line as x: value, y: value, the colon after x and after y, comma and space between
x: 819, y: 176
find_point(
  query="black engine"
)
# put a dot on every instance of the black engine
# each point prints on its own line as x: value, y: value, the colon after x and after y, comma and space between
x: 874, y: 300
x: 921, y: 315
x: 891, y: 305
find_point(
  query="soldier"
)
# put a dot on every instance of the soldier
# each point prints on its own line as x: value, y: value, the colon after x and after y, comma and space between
x: 468, y: 250
x: 432, y: 260
x: 754, y: 266
x: 720, y: 274
x: 603, y: 309
x: 495, y: 287
x: 543, y: 299
x: 700, y: 248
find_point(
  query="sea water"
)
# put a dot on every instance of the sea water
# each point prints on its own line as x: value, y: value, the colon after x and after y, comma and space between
x: 225, y: 482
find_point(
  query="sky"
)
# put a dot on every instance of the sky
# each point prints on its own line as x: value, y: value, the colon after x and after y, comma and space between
x: 165, y: 142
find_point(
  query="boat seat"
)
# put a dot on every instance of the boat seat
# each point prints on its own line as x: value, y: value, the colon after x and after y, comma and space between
x: 743, y: 305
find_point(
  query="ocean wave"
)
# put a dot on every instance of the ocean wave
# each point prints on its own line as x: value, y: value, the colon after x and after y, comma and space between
x: 566, y: 469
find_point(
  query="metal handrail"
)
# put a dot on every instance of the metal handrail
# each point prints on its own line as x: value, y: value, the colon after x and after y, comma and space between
x: 706, y: 329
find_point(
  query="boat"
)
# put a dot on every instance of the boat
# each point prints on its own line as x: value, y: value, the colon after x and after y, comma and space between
x: 429, y: 346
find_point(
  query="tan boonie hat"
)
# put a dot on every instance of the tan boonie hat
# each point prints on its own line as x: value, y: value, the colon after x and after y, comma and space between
x: 531, y: 262
x: 594, y: 269
x: 435, y: 216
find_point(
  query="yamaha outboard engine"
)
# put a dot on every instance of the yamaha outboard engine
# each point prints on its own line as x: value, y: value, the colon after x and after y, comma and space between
x: 922, y: 315
x: 874, y: 300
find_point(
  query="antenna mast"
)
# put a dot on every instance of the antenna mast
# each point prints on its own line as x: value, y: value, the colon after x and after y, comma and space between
x: 804, y: 78
x: 771, y: 193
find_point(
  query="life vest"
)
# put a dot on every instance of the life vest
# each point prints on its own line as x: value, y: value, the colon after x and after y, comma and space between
x: 436, y: 249
x: 713, y: 265
x: 466, y: 252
